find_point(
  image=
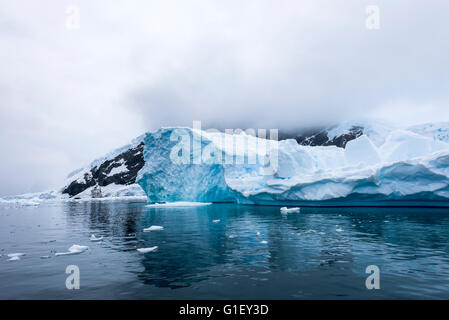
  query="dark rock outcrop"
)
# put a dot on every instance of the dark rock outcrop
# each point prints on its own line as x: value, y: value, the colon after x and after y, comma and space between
x: 100, y: 175
x: 319, y: 137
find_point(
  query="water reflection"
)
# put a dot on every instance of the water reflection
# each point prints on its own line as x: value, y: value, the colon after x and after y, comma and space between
x: 317, y: 243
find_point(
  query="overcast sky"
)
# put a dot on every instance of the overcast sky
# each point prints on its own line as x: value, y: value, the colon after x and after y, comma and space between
x: 70, y: 95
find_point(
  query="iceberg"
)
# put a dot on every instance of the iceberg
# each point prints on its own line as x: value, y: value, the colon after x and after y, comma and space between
x: 393, y: 167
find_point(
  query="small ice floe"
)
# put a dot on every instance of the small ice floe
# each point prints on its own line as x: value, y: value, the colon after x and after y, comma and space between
x: 145, y: 250
x: 232, y: 236
x: 339, y: 230
x: 15, y: 256
x: 28, y: 203
x: 179, y: 204
x: 263, y: 242
x: 45, y: 257
x: 258, y: 234
x: 153, y: 228
x: 75, y: 249
x: 290, y: 210
x: 93, y: 238
x: 216, y: 221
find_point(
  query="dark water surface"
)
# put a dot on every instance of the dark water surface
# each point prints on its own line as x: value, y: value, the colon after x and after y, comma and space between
x: 305, y: 257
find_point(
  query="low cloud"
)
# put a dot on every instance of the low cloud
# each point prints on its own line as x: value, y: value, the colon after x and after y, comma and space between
x: 69, y: 96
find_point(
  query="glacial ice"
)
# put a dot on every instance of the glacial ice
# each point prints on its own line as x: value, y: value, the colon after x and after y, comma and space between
x: 15, y: 256
x: 392, y: 167
x: 145, y: 250
x: 94, y: 238
x: 75, y: 249
x: 290, y: 210
x: 111, y: 193
x: 153, y: 228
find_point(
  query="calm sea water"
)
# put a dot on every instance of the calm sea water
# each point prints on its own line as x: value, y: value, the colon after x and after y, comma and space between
x: 320, y: 253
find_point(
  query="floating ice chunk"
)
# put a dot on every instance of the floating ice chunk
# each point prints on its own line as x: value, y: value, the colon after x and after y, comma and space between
x: 258, y: 234
x: 216, y: 221
x: 15, y: 256
x: 263, y: 242
x: 290, y: 210
x: 45, y: 257
x: 179, y: 204
x: 14, y: 259
x: 153, y: 228
x: 232, y: 236
x: 75, y: 249
x: 95, y: 239
x: 339, y: 230
x: 145, y: 250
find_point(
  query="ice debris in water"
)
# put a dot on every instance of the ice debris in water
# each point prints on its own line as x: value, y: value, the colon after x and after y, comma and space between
x: 258, y: 233
x: 263, y: 242
x: 216, y: 221
x: 75, y: 249
x: 290, y: 210
x: 15, y: 256
x: 145, y: 250
x: 179, y: 204
x: 95, y: 239
x: 339, y: 230
x: 153, y: 228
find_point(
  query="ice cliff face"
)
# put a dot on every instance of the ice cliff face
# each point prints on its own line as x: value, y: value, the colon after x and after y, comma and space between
x: 120, y: 167
x: 165, y: 180
x: 394, y: 167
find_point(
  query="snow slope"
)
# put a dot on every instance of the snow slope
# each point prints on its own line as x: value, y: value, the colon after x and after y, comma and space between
x: 396, y: 166
x: 111, y: 192
x: 438, y: 131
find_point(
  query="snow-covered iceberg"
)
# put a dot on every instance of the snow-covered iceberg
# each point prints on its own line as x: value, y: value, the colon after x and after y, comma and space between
x: 394, y: 167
